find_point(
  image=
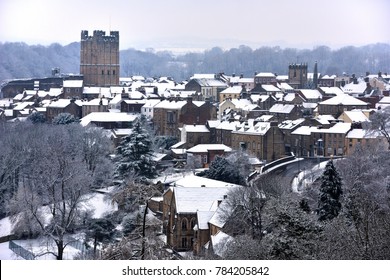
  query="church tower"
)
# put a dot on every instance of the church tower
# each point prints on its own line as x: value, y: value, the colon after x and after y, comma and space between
x: 99, y: 58
x: 297, y: 75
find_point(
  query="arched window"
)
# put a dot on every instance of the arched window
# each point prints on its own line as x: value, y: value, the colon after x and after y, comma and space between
x: 184, y: 224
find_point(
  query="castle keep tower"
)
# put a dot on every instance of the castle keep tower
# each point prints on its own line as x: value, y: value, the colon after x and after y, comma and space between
x: 99, y: 58
x: 297, y: 75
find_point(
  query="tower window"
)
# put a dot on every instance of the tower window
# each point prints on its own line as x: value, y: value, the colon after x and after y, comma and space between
x: 113, y: 72
x: 108, y: 72
x: 102, y: 72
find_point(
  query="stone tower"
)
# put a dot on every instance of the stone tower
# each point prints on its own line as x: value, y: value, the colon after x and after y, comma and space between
x: 297, y: 75
x: 99, y: 58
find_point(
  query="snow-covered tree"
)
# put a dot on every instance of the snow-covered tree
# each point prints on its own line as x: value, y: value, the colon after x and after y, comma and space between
x: 329, y: 204
x: 99, y: 230
x: 380, y: 121
x: 36, y: 117
x: 53, y: 181
x: 233, y: 169
x: 134, y: 154
x: 64, y: 118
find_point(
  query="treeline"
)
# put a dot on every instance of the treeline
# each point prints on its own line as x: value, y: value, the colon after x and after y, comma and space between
x: 19, y: 60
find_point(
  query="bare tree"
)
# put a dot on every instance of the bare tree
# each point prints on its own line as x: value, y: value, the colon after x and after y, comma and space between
x: 380, y: 121
x: 53, y: 183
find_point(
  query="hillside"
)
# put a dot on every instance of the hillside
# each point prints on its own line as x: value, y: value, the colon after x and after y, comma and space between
x: 19, y: 60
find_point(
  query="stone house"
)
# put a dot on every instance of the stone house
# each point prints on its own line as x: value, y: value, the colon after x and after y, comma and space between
x: 337, y: 105
x: 72, y: 89
x: 264, y: 140
x: 206, y: 153
x: 169, y: 116
x: 95, y: 105
x: 187, y: 200
x: 193, y: 135
x: 209, y: 88
x: 358, y: 136
x: 71, y: 106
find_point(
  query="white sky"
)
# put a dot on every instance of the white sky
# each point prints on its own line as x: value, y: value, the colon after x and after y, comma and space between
x: 199, y: 23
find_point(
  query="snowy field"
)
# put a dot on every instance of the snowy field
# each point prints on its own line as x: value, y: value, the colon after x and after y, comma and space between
x: 98, y: 203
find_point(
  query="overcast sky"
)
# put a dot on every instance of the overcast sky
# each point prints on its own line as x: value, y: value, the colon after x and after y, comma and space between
x: 199, y: 23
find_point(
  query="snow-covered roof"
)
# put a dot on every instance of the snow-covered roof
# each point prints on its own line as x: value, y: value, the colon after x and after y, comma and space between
x: 107, y: 117
x: 344, y: 99
x: 384, y: 100
x: 336, y: 128
x: 260, y: 128
x: 193, y: 181
x: 355, y: 116
x: 203, y: 218
x: 285, y: 86
x: 232, y: 90
x: 23, y: 105
x: 325, y: 119
x: 303, y: 130
x: 96, y: 101
x: 359, y: 133
x: 281, y: 108
x: 196, y: 128
x: 191, y: 200
x: 311, y: 93
x: 150, y: 103
x: 270, y: 88
x: 355, y: 88
x: 204, y: 148
x: 73, y: 83
x: 332, y: 90
x: 173, y: 105
x: 266, y: 74
x: 226, y: 125
x: 291, y: 124
x: 62, y: 103
x: 259, y: 97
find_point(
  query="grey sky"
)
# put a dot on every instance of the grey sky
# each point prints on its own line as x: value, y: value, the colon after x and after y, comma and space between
x: 199, y: 23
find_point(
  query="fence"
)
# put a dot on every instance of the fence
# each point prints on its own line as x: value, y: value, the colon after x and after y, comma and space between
x: 20, y: 251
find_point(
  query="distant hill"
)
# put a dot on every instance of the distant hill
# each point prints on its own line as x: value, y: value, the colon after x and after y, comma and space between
x: 19, y: 60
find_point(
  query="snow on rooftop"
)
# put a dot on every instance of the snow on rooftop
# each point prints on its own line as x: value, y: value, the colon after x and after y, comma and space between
x: 270, y: 88
x: 204, y: 148
x: 311, y: 93
x: 173, y: 105
x: 232, y: 90
x: 355, y: 116
x: 73, y: 83
x: 196, y: 128
x: 359, y: 133
x: 191, y: 200
x: 107, y: 117
x: 193, y: 181
x: 281, y: 108
x: 203, y: 218
x: 344, y: 99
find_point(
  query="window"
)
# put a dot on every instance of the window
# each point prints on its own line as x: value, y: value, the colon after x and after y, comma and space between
x: 204, y: 158
x: 184, y: 242
x: 113, y: 72
x: 108, y: 72
x: 102, y: 72
x: 184, y: 224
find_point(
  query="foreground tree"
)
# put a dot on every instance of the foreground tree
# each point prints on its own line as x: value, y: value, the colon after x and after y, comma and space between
x: 329, y: 204
x: 380, y: 121
x: 361, y: 229
x: 53, y: 183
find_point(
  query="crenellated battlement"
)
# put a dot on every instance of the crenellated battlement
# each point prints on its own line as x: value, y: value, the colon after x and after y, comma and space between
x: 99, y: 35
